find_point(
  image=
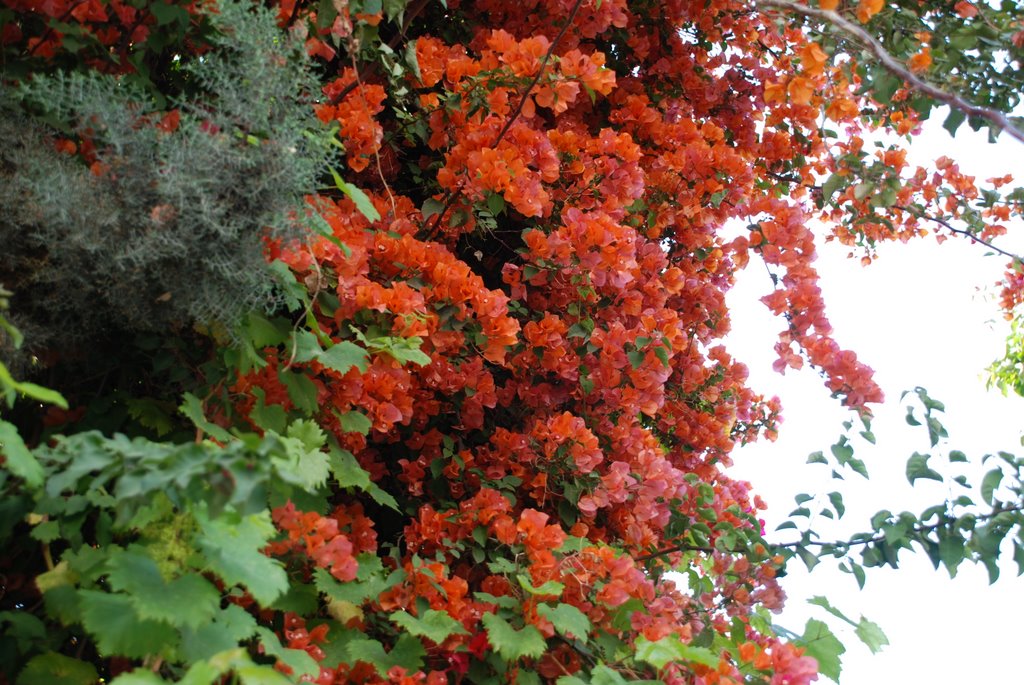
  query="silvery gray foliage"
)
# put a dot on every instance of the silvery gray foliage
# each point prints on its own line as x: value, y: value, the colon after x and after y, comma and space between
x: 172, y: 233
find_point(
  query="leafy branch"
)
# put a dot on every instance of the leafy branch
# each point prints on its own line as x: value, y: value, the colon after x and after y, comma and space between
x: 897, y: 68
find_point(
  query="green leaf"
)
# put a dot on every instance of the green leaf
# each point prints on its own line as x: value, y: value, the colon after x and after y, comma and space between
x: 301, y: 390
x: 824, y: 646
x: 17, y: 457
x: 837, y: 503
x: 989, y: 484
x: 551, y: 587
x: 954, y: 120
x: 567, y: 620
x: 434, y: 625
x: 52, y: 668
x: 38, y: 392
x: 355, y: 422
x: 827, y: 606
x: 830, y: 186
x: 672, y: 649
x: 140, y: 676
x: 342, y: 356
x: 951, y: 552
x: 301, y: 663
x: 917, y: 467
x: 350, y: 474
x: 362, y: 201
x: 192, y: 408
x: 512, y: 644
x: 234, y: 551
x: 408, y: 653
x: 118, y: 631
x: 228, y: 627
x: 870, y: 633
x: 189, y: 600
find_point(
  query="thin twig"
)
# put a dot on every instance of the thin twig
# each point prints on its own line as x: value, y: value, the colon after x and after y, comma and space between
x: 948, y: 226
x: 896, y: 67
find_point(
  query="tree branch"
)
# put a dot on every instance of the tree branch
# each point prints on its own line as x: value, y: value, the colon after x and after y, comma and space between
x: 896, y: 67
x: 948, y: 226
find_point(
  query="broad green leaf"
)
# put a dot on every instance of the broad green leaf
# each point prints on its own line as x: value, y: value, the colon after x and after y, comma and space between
x: 837, y: 503
x: 551, y: 587
x: 119, y: 631
x: 567, y: 619
x: 408, y: 653
x: 189, y: 600
x: 140, y: 676
x: 371, y: 580
x: 266, y: 333
x: 827, y: 606
x: 870, y: 633
x: 512, y: 644
x: 362, y: 201
x: 227, y: 628
x: 302, y: 390
x: 301, y: 663
x: 18, y: 458
x: 192, y: 408
x: 350, y: 474
x: 989, y: 484
x: 355, y: 422
x: 38, y: 392
x: 951, y: 552
x: 917, y: 467
x: 52, y: 668
x: 821, y: 644
x: 234, y: 551
x: 305, y: 347
x: 342, y: 356
x: 830, y: 186
x: 434, y: 625
x: 672, y: 649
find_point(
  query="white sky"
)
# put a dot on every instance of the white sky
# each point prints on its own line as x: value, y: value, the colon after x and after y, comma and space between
x: 923, y: 314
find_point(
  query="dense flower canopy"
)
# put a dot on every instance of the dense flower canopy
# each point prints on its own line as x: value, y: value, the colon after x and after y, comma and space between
x: 495, y: 372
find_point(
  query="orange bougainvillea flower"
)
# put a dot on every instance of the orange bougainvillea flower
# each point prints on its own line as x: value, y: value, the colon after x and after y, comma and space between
x: 921, y: 61
x: 830, y: 5
x: 812, y: 59
x: 869, y: 8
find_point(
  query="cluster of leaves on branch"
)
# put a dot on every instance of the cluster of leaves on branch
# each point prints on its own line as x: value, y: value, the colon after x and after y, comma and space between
x: 487, y: 407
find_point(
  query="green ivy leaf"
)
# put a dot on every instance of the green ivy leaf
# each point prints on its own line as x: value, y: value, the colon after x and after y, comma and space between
x: 672, y: 649
x: 118, y: 631
x: 870, y: 633
x: 301, y: 663
x: 140, y: 676
x: 350, y: 474
x: 227, y: 628
x: 343, y: 355
x: 234, y: 551
x: 192, y: 408
x: 567, y: 620
x: 408, y: 653
x: 18, y: 458
x: 917, y: 467
x: 189, y: 600
x: 512, y: 644
x: 824, y: 646
x: 434, y: 625
x: 355, y: 422
x: 52, y: 668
